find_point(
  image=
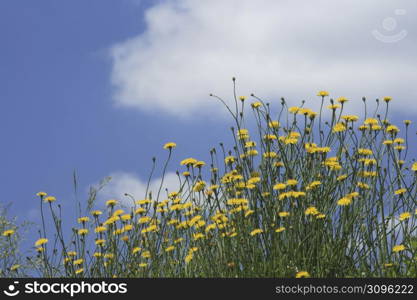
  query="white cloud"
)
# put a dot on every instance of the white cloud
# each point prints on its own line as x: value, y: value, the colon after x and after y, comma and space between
x: 274, y: 48
x: 122, y: 183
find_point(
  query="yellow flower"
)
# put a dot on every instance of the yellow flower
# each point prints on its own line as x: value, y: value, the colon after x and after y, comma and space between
x: 144, y: 220
x: 72, y: 253
x: 363, y: 151
x: 118, y: 212
x: 280, y: 229
x: 270, y: 137
x: 387, y: 99
x: 371, y: 121
x: 311, y: 211
x: 323, y: 93
x: 292, y: 182
x: 50, y: 199
x: 199, y: 164
x: 313, y: 184
x: 78, y: 261
x: 344, y: 201
x: 170, y: 248
x: 400, y: 191
x: 96, y: 213
x: 256, y: 231
x: 146, y: 254
x: 79, y: 271
x: 143, y: 265
x: 392, y: 129
x: 341, y: 177
x: 320, y: 216
x: 414, y: 167
x: 273, y: 124
x: 283, y: 214
x: 188, y: 258
x: 256, y: 104
x: 111, y: 202
x: 404, y: 216
x: 100, y: 242
x: 126, y: 217
x: 188, y: 162
x: 280, y: 186
x: 143, y: 202
x: 199, y: 186
x: 302, y: 274
x: 140, y: 210
x: 249, y: 212
x: 242, y: 98
x: 82, y: 231
x: 350, y: 118
x: 41, y: 242
x: 270, y: 154
x: 151, y: 228
x: 342, y: 100
x: 41, y: 194
x: 170, y: 145
x: 333, y: 106
x: 407, y: 122
x: 83, y: 219
x: 14, y: 267
x: 99, y: 229
x: 398, y: 248
x: 179, y: 240
x: 339, y: 127
x: 294, y: 109
x: 136, y: 250
x: 8, y: 232
x: 197, y: 236
x: 363, y: 185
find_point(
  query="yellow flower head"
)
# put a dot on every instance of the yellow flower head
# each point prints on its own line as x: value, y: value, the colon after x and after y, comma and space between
x: 342, y: 100
x: 41, y: 242
x: 398, y: 248
x: 404, y: 216
x: 280, y: 229
x: 96, y: 213
x: 8, y: 232
x: 111, y: 202
x: 302, y: 274
x: 188, y: 162
x: 41, y: 194
x: 323, y: 93
x: 280, y: 186
x: 50, y: 199
x: 256, y: 104
x: 256, y: 231
x: 311, y: 211
x: 170, y: 145
x: 82, y: 231
x: 83, y: 219
x: 344, y: 201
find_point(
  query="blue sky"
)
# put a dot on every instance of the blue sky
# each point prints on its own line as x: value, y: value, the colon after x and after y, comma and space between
x: 57, y: 113
x: 99, y: 86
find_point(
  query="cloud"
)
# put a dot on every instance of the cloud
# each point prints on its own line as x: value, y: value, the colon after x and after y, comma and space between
x: 275, y: 48
x: 123, y: 182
